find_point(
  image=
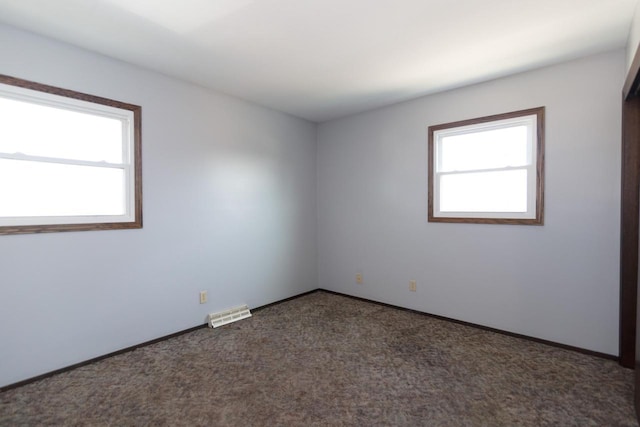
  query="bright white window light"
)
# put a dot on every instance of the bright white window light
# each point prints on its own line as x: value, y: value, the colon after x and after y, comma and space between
x: 51, y: 131
x: 487, y: 170
x: 65, y: 160
x: 501, y: 191
x: 56, y: 190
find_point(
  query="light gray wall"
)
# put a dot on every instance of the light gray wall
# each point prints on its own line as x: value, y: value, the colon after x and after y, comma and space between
x: 634, y: 37
x: 557, y: 282
x: 229, y: 207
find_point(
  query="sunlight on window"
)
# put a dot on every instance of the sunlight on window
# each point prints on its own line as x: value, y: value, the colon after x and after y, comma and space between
x: 503, y: 191
x: 490, y: 149
x: 44, y: 131
x: 31, y: 189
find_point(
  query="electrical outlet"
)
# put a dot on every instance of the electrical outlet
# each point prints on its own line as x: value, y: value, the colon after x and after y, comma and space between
x: 359, y: 278
x: 412, y: 285
x: 203, y: 297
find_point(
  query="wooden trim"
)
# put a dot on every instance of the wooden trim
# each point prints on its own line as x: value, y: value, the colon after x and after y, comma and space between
x: 137, y: 123
x: 99, y: 358
x: 629, y: 228
x: 262, y: 307
x: 54, y: 228
x: 27, y: 84
x: 630, y: 207
x: 137, y: 148
x: 176, y: 334
x: 484, y: 328
x: 431, y: 175
x: 488, y: 119
x: 134, y: 347
x: 540, y: 160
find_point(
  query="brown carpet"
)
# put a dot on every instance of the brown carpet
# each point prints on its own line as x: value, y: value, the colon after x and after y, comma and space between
x: 328, y: 360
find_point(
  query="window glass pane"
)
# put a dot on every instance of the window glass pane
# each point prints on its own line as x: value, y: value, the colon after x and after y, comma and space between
x: 504, y: 191
x: 495, y: 148
x: 40, y: 130
x: 33, y: 189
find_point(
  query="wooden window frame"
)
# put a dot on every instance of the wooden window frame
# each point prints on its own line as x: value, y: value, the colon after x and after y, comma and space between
x: 70, y: 225
x: 539, y: 112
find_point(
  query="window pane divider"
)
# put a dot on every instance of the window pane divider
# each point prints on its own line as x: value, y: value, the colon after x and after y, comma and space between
x: 26, y: 157
x: 504, y: 169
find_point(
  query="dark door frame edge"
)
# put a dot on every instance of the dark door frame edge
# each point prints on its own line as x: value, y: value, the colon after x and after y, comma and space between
x: 629, y: 210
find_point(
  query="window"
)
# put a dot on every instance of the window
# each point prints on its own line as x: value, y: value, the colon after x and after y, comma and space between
x: 488, y: 170
x: 68, y: 161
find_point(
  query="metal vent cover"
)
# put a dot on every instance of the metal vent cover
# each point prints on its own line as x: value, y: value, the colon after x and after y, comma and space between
x: 228, y: 316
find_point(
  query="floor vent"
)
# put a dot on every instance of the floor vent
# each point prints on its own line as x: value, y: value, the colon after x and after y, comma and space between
x: 229, y: 316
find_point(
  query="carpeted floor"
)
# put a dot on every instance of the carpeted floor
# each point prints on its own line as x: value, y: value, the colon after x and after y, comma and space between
x: 328, y: 360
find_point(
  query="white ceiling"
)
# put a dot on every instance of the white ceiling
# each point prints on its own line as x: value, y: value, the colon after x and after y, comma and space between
x: 322, y: 59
